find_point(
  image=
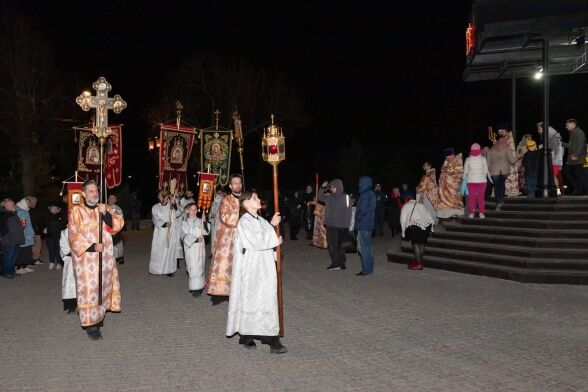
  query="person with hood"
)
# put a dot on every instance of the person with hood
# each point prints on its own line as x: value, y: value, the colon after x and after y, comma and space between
x: 294, y: 215
x: 365, y: 208
x: 476, y: 172
x: 25, y: 255
x: 53, y: 227
x: 531, y: 165
x: 337, y: 220
x: 11, y: 236
x: 557, y: 153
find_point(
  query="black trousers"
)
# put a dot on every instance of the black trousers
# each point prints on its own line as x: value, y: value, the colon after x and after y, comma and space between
x: 53, y: 247
x: 574, y: 174
x: 333, y: 240
x: 294, y: 232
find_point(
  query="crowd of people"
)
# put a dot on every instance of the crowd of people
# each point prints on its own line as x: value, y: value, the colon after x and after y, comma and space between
x: 241, y: 229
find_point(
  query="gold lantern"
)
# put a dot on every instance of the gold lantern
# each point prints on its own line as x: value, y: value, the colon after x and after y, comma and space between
x: 273, y: 144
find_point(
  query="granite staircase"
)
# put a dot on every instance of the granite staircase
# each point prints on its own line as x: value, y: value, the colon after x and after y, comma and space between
x: 530, y: 240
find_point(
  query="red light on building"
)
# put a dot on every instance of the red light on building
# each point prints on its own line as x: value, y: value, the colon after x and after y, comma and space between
x: 470, y: 37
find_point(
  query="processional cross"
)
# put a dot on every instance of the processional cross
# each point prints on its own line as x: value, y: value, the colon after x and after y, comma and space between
x: 102, y: 103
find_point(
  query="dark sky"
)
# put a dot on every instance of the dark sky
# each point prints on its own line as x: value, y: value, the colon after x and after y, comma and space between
x: 386, y: 73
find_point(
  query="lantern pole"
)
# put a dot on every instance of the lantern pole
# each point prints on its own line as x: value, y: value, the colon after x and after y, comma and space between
x: 273, y: 146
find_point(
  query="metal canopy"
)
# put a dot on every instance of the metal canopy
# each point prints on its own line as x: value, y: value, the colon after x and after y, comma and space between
x: 507, y: 38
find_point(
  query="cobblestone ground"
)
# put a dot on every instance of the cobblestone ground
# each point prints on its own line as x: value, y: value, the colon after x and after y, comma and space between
x: 397, y: 330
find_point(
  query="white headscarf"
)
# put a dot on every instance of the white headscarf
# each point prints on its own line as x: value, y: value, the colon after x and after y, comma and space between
x: 414, y: 213
x: 23, y: 205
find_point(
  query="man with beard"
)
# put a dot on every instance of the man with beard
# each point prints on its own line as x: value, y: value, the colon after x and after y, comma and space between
x: 86, y: 247
x: 219, y: 278
x: 166, y: 234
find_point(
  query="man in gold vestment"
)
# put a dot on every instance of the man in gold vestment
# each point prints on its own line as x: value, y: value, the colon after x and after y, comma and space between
x: 83, y: 230
x: 218, y: 284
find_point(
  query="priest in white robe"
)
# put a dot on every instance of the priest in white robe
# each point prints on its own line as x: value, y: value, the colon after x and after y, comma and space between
x: 166, y: 235
x: 193, y: 231
x: 253, y: 300
x: 68, y: 280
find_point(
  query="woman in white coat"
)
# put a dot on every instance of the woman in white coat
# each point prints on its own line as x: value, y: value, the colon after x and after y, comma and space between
x: 253, y: 301
x: 193, y: 231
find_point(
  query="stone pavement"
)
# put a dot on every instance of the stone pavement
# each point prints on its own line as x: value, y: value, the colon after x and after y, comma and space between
x: 397, y: 330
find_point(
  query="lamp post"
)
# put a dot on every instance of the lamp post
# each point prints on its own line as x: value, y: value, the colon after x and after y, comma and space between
x: 546, y: 185
x: 273, y: 151
x: 101, y: 102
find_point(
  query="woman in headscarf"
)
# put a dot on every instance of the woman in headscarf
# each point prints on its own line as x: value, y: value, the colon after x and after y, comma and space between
x: 417, y: 226
x: 25, y: 255
x: 500, y: 163
x: 521, y: 151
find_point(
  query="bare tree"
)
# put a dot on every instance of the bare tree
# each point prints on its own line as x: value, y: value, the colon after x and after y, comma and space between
x: 26, y: 88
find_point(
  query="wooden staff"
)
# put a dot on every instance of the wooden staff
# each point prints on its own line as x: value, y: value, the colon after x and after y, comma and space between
x: 278, y: 251
x: 100, y: 221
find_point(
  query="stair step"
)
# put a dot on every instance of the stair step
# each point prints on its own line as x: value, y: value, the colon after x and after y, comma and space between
x: 539, y: 207
x: 506, y: 260
x: 540, y: 215
x: 502, y: 249
x: 525, y: 223
x: 503, y: 272
x: 514, y: 231
x: 558, y: 200
x: 514, y: 240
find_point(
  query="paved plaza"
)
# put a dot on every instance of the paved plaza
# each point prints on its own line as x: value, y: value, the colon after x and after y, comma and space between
x: 397, y: 330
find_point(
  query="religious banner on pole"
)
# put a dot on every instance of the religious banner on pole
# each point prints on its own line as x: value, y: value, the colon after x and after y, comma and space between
x: 89, y: 156
x: 216, y: 144
x: 206, y: 192
x: 175, y: 147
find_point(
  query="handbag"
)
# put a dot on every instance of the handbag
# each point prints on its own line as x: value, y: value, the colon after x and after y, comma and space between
x: 347, y: 241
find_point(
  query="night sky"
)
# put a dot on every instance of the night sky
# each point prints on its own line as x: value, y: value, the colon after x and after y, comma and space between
x: 388, y: 74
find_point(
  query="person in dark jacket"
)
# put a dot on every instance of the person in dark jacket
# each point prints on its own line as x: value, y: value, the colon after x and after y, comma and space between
x: 531, y: 165
x: 396, y: 203
x: 337, y: 220
x: 294, y: 211
x: 365, y: 213
x: 11, y: 236
x: 54, y: 224
x: 379, y: 212
x: 576, y: 157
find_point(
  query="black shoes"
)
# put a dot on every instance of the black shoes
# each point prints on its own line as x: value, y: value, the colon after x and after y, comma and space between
x: 217, y: 299
x: 170, y: 275
x: 343, y: 267
x: 333, y: 267
x: 94, y: 333
x: 278, y: 348
x: 196, y: 293
x: 361, y: 273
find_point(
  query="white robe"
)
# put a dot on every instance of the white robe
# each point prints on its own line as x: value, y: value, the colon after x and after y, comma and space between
x: 214, y: 218
x: 253, y: 302
x: 195, y: 252
x: 183, y: 202
x: 118, y: 249
x: 163, y: 252
x: 68, y: 281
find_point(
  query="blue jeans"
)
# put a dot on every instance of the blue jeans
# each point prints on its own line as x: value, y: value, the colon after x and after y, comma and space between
x: 531, y: 187
x: 10, y: 255
x: 365, y: 251
x: 499, y: 189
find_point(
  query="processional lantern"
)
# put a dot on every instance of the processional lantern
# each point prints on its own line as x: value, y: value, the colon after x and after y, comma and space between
x: 273, y: 151
x: 273, y: 144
